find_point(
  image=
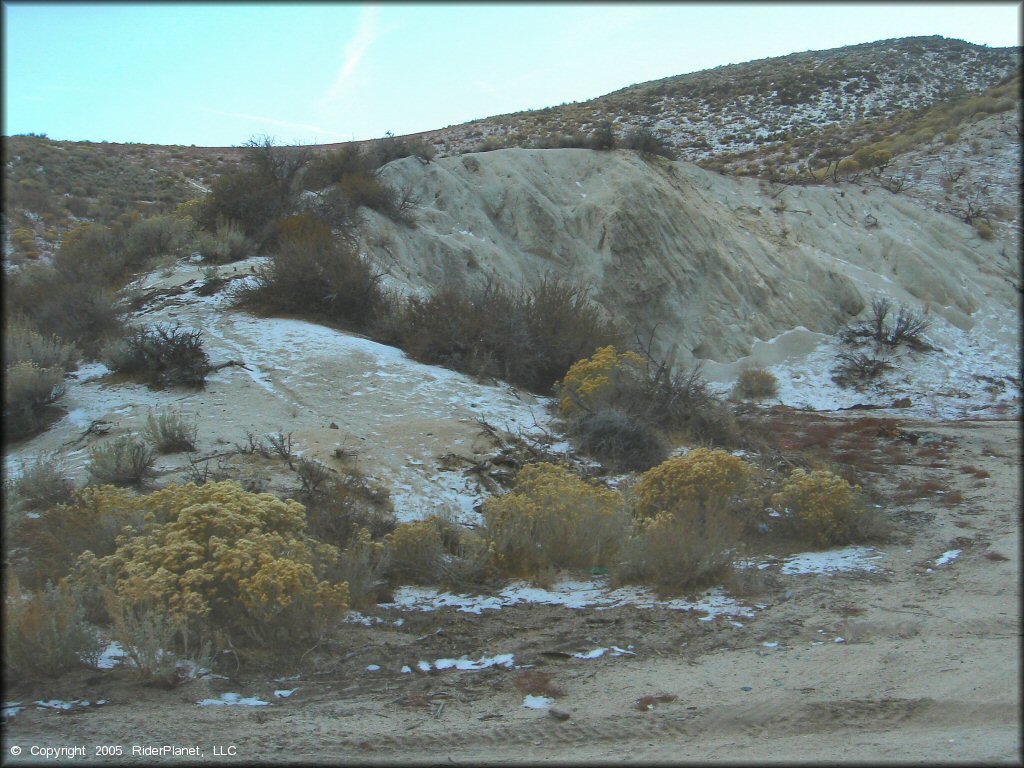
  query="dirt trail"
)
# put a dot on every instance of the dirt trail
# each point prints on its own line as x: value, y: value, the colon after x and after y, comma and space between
x: 927, y: 668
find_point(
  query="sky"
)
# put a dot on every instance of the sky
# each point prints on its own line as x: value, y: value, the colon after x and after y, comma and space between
x: 219, y: 74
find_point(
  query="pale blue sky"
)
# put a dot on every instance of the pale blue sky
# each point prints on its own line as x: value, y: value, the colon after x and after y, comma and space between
x: 215, y: 75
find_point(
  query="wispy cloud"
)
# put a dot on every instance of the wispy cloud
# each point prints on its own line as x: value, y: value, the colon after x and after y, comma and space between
x: 366, y: 33
x: 272, y: 121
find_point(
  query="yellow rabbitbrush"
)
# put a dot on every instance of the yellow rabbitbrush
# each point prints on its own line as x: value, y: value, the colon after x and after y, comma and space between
x: 228, y: 560
x: 554, y: 519
x: 701, y: 480
x: 826, y: 506
x: 591, y: 380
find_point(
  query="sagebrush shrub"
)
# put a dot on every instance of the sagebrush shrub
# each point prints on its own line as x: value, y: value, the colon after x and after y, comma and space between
x: 74, y: 308
x: 620, y: 440
x: 160, y: 355
x: 679, y: 552
x: 230, y: 561
x: 553, y: 519
x: 529, y: 338
x: 22, y: 343
x: 826, y: 507
x: 755, y: 383
x: 363, y: 566
x: 27, y: 390
x: 41, y: 483
x: 121, y: 461
x: 46, y: 634
x: 316, y: 275
x: 171, y: 432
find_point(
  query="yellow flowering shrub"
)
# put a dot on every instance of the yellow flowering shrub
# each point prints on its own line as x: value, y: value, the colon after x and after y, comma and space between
x: 553, y: 519
x: 824, y: 504
x: 702, y: 480
x: 416, y: 551
x: 228, y: 559
x: 593, y: 379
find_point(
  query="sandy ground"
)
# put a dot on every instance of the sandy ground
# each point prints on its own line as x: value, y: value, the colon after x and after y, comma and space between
x: 927, y: 669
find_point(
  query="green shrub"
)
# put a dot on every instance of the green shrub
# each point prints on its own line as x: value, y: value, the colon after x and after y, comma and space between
x: 46, y: 634
x: 171, y: 432
x: 416, y: 553
x: 553, y: 519
x: 121, y: 461
x: 755, y: 383
x: 160, y: 355
x: 227, y: 243
x: 703, y: 481
x: 984, y: 229
x: 647, y: 143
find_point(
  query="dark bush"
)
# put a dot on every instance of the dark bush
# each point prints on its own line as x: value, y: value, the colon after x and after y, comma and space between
x: 647, y: 143
x: 528, y: 338
x: 54, y: 303
x: 161, y: 356
x: 619, y: 440
x: 315, y: 275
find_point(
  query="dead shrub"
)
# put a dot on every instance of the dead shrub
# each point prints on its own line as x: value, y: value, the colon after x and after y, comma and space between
x: 363, y: 565
x: 647, y: 703
x: 977, y: 472
x: 908, y: 327
x: 857, y: 370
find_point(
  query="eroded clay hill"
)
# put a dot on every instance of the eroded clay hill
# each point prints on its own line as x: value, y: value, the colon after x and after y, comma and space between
x: 710, y: 263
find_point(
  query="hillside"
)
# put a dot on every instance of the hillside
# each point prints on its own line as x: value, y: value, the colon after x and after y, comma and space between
x: 771, y: 118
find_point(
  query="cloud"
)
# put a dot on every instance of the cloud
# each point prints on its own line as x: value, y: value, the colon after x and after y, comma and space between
x: 366, y: 33
x: 272, y: 121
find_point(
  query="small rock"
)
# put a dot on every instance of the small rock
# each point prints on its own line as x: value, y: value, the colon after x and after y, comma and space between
x: 333, y: 426
x: 559, y: 714
x: 903, y: 402
x: 746, y: 688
